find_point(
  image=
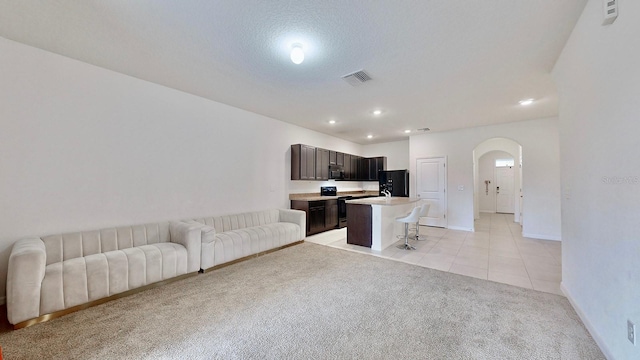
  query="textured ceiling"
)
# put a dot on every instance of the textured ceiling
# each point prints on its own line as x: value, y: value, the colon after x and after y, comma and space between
x: 437, y: 64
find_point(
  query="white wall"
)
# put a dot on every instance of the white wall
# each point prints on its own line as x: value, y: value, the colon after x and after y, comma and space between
x: 83, y: 148
x: 598, y: 76
x: 487, y: 171
x: 397, y: 153
x: 541, y: 171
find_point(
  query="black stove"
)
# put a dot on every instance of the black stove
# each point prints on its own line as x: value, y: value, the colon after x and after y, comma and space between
x: 342, y: 206
x: 328, y: 191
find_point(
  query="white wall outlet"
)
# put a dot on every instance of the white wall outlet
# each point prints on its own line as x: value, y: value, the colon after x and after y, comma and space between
x: 460, y: 187
x: 631, y: 332
x: 610, y: 11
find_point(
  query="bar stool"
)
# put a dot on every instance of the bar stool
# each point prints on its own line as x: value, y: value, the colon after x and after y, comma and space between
x: 424, y: 211
x: 411, y: 218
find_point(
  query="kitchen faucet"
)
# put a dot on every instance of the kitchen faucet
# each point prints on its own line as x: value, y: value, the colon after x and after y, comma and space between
x: 386, y: 193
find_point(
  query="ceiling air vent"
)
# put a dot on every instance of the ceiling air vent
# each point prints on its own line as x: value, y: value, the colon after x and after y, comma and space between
x: 357, y: 78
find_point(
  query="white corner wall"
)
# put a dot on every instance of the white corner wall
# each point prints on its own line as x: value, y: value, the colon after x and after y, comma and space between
x: 83, y: 148
x: 541, y: 171
x: 598, y: 77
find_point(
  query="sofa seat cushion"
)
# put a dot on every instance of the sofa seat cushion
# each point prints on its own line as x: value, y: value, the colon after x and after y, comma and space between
x: 83, y: 279
x: 235, y: 244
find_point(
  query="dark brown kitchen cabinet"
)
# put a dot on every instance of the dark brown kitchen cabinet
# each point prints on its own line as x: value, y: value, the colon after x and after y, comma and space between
x: 317, y: 217
x: 347, y: 166
x: 365, y: 174
x: 303, y: 162
x: 359, y: 228
x: 376, y: 164
x: 331, y: 214
x: 322, y: 215
x: 311, y: 163
x: 332, y: 157
x: 322, y: 164
x: 354, y: 167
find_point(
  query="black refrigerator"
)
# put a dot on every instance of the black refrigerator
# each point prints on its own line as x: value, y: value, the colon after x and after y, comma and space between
x: 395, y: 181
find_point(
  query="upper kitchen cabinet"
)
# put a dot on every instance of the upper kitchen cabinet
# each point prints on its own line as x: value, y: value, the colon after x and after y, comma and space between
x: 376, y: 164
x: 311, y: 163
x: 322, y: 164
x: 332, y: 157
x: 303, y: 162
x: 356, y: 167
x: 347, y: 166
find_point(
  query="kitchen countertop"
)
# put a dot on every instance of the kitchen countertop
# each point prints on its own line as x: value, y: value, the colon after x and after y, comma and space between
x: 382, y: 200
x: 317, y: 197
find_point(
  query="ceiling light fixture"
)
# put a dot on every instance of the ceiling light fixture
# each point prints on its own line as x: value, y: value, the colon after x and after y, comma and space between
x: 332, y: 121
x: 297, y: 55
x: 377, y: 112
x: 369, y: 136
x: 526, y: 102
x: 407, y: 131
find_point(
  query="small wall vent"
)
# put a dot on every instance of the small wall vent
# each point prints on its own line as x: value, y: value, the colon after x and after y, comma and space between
x: 610, y: 11
x: 357, y: 78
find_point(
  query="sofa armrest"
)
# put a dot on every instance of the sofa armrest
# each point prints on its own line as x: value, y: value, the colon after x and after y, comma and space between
x: 208, y: 237
x: 187, y: 235
x: 297, y: 217
x: 27, y: 264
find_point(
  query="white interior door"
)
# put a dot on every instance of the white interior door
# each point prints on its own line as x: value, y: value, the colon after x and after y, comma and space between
x: 431, y: 187
x: 504, y: 190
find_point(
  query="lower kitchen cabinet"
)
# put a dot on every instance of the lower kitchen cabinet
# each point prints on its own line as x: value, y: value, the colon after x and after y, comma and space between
x: 322, y: 215
x: 331, y: 214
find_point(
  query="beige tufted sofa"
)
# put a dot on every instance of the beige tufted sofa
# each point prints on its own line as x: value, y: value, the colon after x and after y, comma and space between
x: 53, y: 275
x: 231, y: 238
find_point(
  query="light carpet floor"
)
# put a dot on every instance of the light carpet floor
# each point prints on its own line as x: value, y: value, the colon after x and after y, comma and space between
x: 314, y: 302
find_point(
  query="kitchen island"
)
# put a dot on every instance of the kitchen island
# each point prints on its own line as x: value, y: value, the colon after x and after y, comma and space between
x: 372, y: 221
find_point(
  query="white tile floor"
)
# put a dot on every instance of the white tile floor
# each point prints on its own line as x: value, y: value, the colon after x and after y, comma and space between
x: 496, y: 251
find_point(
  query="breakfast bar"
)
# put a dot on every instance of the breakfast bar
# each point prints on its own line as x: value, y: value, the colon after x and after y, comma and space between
x: 372, y: 221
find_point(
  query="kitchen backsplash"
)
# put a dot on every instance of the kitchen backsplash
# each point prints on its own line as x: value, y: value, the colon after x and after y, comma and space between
x: 303, y: 187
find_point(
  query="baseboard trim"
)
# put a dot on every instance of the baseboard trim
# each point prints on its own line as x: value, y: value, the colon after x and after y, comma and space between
x: 57, y: 314
x: 251, y: 256
x: 460, y: 228
x: 542, y: 237
x: 594, y: 334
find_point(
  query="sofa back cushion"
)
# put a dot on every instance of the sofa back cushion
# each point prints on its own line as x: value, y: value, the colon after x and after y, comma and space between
x: 74, y: 245
x: 241, y: 221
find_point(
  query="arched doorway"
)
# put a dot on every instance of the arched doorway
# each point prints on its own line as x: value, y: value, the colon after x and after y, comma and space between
x: 485, y: 189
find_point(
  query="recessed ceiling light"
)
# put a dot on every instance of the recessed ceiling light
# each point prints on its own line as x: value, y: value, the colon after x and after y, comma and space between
x: 377, y: 112
x: 407, y: 131
x: 369, y: 136
x: 297, y: 55
x: 332, y: 121
x: 526, y: 102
